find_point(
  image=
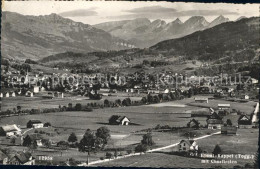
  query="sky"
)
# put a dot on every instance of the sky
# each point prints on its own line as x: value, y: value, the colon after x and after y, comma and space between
x: 94, y: 12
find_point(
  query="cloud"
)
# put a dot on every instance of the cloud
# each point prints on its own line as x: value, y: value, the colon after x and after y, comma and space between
x: 151, y: 9
x: 158, y: 12
x: 79, y: 13
x: 206, y: 12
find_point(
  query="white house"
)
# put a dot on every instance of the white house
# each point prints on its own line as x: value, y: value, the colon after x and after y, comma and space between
x: 188, y: 146
x: 29, y: 94
x: 7, y: 94
x: 34, y: 124
x: 10, y: 130
x: 119, y: 120
x: 36, y: 89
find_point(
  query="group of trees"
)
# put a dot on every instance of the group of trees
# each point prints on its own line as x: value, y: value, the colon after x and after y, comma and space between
x: 93, y: 141
x: 145, y: 144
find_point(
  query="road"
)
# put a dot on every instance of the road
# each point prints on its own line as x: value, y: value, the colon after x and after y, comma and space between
x: 150, y: 151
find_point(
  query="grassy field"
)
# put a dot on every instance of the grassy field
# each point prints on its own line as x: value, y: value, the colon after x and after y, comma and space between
x: 245, y: 143
x: 39, y: 102
x: 174, y: 114
x: 167, y: 160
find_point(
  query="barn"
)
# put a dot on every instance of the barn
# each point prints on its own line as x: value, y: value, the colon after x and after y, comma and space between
x: 193, y: 124
x: 188, y: 146
x: 214, y: 121
x: 34, y: 124
x: 10, y: 130
x: 119, y: 120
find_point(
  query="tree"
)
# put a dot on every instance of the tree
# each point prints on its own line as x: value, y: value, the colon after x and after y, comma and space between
x: 217, y: 150
x: 78, y: 107
x: 34, y: 145
x: 47, y: 124
x: 12, y: 141
x: 141, y: 148
x: 72, y: 138
x: 147, y: 139
x: 106, y: 103
x: 27, y: 141
x: 46, y: 143
x: 229, y: 122
x: 87, y: 142
x: 144, y: 100
x: 104, y: 134
x: 18, y: 109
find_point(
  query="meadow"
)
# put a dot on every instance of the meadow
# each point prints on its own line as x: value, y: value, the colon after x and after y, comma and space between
x: 174, y: 114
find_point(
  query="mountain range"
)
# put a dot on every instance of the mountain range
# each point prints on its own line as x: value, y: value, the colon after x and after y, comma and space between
x: 230, y: 42
x: 144, y: 33
x: 36, y: 37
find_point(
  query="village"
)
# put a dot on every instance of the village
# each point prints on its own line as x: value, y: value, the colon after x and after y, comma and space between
x: 44, y: 117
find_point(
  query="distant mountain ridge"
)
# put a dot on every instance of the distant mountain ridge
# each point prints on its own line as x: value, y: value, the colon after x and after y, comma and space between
x: 145, y: 33
x: 36, y: 37
x: 230, y: 42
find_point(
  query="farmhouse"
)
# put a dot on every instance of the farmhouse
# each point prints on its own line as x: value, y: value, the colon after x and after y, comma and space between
x: 244, y: 122
x: 223, y: 106
x: 36, y: 89
x: 12, y: 94
x: 201, y: 100
x: 37, y: 138
x: 246, y: 97
x: 6, y: 94
x: 214, y: 121
x: 29, y: 94
x: 22, y: 158
x: 119, y: 120
x: 193, y: 123
x: 34, y: 124
x: 10, y: 130
x: 188, y: 146
x: 228, y: 130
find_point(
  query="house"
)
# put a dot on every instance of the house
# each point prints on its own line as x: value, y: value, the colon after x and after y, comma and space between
x: 34, y: 124
x: 22, y: 158
x: 193, y: 123
x: 37, y: 138
x: 119, y: 120
x: 6, y: 94
x: 12, y: 94
x: 223, y: 106
x: 228, y: 130
x: 222, y: 113
x: 246, y: 97
x: 188, y: 146
x: 29, y: 94
x: 201, y: 100
x: 254, y: 81
x: 36, y: 89
x: 214, y: 121
x: 244, y: 121
x: 3, y: 158
x: 10, y: 130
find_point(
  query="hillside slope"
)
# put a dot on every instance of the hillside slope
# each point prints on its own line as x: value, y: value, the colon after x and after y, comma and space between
x: 36, y: 37
x: 228, y: 45
x: 224, y: 40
